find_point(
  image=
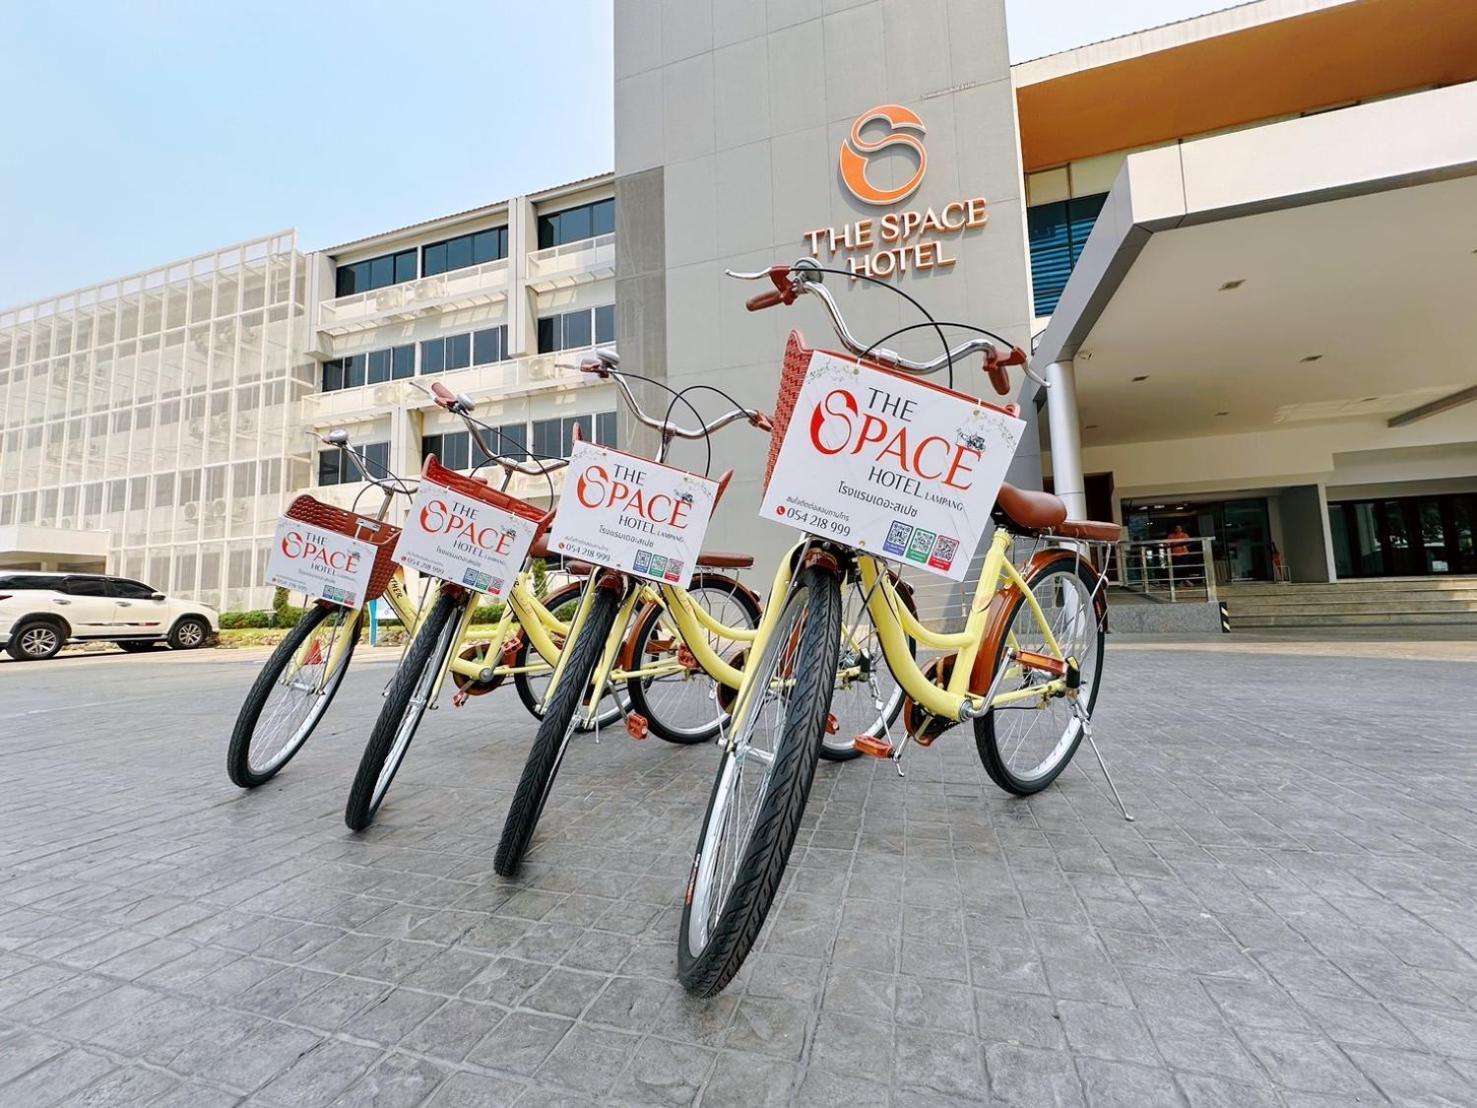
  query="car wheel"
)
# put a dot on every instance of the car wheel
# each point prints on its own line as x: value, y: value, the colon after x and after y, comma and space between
x: 189, y: 633
x: 35, y: 642
x: 136, y: 646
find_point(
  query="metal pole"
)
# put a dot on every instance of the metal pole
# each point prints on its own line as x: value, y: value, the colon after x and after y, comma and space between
x: 1066, y: 438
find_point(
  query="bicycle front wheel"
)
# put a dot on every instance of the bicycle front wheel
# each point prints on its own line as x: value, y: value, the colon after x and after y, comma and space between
x: 678, y: 703
x: 405, y: 704
x: 1024, y: 745
x: 763, y: 781
x: 561, y: 715
x: 290, y: 695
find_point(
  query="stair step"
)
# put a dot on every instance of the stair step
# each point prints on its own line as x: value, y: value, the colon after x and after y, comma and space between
x: 1352, y: 604
x: 1366, y: 619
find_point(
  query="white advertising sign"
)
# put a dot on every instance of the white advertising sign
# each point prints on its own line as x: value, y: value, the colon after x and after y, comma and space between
x: 323, y: 564
x: 463, y: 540
x: 891, y: 465
x: 634, y: 515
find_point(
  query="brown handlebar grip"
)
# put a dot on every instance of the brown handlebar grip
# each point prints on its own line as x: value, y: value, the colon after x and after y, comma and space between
x: 762, y: 300
x: 444, y: 396
x: 999, y: 379
x: 761, y: 421
x: 593, y: 365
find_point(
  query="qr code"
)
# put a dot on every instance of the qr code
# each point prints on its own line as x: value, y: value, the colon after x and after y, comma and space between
x: 922, y: 543
x: 481, y: 582
x: 897, y: 537
x: 658, y: 565
x: 943, y: 552
x: 336, y: 595
x: 674, y: 571
x: 643, y: 562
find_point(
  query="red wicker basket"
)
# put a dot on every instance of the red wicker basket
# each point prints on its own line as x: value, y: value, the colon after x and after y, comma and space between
x: 475, y: 489
x: 382, y: 536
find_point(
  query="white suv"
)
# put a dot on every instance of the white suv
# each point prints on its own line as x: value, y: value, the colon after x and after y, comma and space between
x: 40, y: 612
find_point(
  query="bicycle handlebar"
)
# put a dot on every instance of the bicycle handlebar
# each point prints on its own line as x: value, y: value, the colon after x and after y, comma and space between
x: 602, y: 368
x: 805, y: 276
x: 460, y: 404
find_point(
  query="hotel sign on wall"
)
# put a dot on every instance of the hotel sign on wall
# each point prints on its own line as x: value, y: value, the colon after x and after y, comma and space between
x: 894, y: 242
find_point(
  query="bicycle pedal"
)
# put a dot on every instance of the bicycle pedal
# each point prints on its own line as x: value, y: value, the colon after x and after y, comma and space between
x: 461, y: 697
x: 833, y: 725
x: 873, y: 747
x: 637, y: 726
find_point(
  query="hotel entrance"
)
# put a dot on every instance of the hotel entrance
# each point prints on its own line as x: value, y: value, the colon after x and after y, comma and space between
x: 1241, y: 531
x: 1404, y: 536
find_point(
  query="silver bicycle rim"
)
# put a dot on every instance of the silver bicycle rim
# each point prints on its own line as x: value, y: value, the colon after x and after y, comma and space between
x: 684, y: 701
x: 285, y: 722
x: 1033, y: 737
x: 410, y: 719
x: 743, y: 778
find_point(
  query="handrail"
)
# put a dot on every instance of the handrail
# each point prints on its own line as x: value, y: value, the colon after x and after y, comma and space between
x: 1173, y: 569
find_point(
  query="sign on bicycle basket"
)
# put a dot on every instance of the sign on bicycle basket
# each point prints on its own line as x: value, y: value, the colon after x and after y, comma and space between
x: 325, y: 565
x: 892, y: 465
x: 460, y: 538
x: 634, y: 515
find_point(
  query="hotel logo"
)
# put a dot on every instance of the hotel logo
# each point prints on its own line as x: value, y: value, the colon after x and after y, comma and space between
x: 904, y: 129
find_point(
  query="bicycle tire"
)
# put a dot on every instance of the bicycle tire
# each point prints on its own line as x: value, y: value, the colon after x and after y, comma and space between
x: 238, y: 753
x: 554, y: 732
x: 636, y: 688
x: 433, y: 641
x: 533, y: 698
x: 986, y: 732
x: 705, y: 971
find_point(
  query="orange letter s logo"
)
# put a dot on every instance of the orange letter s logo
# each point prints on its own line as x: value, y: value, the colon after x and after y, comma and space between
x: 856, y: 148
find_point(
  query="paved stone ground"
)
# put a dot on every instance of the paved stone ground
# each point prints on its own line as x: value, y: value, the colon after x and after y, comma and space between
x: 1290, y: 921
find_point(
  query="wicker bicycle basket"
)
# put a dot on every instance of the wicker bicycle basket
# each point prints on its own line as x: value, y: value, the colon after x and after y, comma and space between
x: 382, y: 536
x: 475, y: 489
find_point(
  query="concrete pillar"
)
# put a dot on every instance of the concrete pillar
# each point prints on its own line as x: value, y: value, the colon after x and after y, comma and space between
x: 1066, y: 438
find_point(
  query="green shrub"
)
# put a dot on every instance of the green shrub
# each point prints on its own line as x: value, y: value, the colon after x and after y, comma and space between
x: 283, y: 613
x: 233, y: 620
x: 540, y: 573
x: 487, y: 613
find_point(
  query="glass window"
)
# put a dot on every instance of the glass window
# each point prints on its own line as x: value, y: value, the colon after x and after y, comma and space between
x: 456, y: 447
x: 602, y: 217
x: 585, y: 423
x: 374, y: 273
x: 435, y: 259
x: 379, y: 366
x: 1057, y: 233
x: 489, y: 246
x: 459, y: 252
x: 328, y: 467
x: 129, y: 590
x: 86, y: 586
x: 546, y: 438
x: 405, y: 266
x: 354, y: 368
x: 333, y: 375
x: 458, y: 351
x: 433, y: 356
x: 512, y: 438
x: 24, y: 582
x: 430, y: 444
x: 605, y: 424
x: 163, y: 490
x: 548, y: 334
x: 487, y: 346
x: 402, y: 362
x: 377, y: 457
x: 576, y: 331
x: 605, y: 323
x: 381, y: 272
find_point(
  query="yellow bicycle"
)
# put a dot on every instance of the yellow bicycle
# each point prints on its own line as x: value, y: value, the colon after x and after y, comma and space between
x: 1025, y: 669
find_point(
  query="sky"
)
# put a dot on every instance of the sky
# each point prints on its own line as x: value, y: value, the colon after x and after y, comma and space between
x: 138, y: 132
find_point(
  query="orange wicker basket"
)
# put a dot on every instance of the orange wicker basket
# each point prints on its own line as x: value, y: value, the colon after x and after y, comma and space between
x: 471, y: 487
x: 382, y: 536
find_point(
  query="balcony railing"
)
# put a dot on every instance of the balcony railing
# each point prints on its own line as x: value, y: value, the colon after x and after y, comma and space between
x: 483, y: 382
x: 460, y: 288
x: 573, y: 263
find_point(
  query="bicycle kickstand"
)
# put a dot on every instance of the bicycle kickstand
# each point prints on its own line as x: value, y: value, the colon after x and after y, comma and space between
x: 1086, y: 721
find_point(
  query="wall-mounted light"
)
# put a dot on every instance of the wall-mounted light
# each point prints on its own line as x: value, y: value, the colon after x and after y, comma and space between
x: 1229, y: 285
x: 1145, y: 377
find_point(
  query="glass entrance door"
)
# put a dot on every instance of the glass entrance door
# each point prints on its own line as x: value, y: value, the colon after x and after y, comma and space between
x: 1407, y: 536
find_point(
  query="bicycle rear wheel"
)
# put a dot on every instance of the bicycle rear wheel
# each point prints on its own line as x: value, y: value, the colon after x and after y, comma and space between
x: 406, y: 702
x: 533, y: 686
x: 762, y: 784
x: 290, y: 695
x: 863, y: 678
x: 554, y: 733
x: 1025, y: 745
x: 680, y: 706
